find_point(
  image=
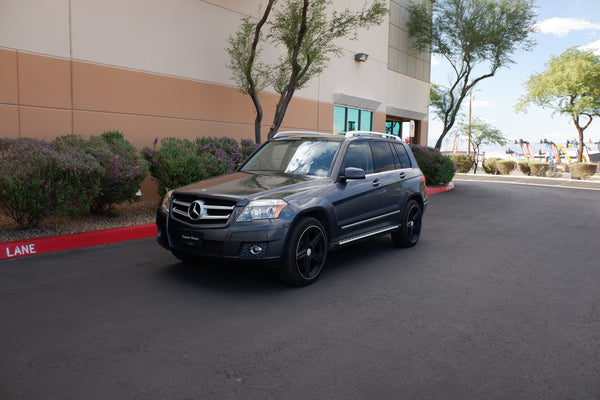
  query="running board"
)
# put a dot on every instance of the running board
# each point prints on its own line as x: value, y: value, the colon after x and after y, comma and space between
x: 367, y: 234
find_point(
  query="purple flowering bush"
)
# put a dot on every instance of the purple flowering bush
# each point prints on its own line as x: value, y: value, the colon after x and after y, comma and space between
x: 248, y: 147
x: 179, y: 162
x: 122, y: 169
x: 38, y: 181
x: 437, y: 168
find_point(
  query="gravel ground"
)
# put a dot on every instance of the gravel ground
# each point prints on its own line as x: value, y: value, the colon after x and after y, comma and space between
x: 127, y: 214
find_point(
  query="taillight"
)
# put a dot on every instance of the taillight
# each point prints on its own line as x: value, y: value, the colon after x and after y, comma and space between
x: 424, y: 180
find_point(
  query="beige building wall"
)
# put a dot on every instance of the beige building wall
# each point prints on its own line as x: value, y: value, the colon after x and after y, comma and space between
x: 155, y: 68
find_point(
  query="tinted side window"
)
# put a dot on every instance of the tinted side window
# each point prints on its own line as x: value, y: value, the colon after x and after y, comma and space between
x: 384, y: 158
x: 359, y: 155
x: 402, y: 155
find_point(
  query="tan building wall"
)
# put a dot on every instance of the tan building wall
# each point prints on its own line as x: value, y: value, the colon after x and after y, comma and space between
x: 44, y: 97
x: 152, y: 68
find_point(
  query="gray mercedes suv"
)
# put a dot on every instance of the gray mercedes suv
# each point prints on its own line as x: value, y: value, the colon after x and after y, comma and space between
x: 297, y: 197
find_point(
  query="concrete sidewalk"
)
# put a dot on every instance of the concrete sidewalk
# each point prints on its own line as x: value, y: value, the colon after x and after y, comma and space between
x: 592, y: 183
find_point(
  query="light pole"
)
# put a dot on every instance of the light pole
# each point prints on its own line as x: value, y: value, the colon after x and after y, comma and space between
x: 469, y: 127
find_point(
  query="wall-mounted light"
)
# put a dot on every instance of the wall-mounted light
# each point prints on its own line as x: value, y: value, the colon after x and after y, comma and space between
x: 362, y: 57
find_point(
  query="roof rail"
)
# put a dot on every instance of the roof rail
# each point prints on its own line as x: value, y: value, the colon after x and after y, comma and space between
x: 289, y: 133
x: 369, y: 133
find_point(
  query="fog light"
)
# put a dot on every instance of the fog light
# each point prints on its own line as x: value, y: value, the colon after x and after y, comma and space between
x: 253, y: 250
x: 256, y: 250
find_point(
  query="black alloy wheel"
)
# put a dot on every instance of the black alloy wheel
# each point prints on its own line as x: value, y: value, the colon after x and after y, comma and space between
x: 305, y: 253
x: 409, y: 232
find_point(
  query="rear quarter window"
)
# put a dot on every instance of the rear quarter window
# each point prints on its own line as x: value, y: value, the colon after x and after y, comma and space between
x: 402, y: 155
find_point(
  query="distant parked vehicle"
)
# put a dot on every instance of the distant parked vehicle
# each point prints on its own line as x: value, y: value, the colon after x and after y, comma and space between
x: 299, y: 196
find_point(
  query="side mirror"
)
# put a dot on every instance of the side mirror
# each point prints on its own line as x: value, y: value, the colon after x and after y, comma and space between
x: 353, y: 173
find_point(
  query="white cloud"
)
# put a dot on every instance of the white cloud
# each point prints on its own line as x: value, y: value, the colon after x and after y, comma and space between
x: 594, y: 47
x: 563, y: 26
x: 481, y: 104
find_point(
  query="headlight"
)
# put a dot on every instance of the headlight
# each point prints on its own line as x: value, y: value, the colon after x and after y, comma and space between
x: 262, y: 209
x: 166, y: 202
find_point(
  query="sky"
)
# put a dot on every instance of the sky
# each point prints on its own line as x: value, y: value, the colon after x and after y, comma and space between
x: 561, y: 24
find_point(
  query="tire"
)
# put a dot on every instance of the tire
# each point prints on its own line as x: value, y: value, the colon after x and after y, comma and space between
x: 305, y: 253
x: 409, y: 232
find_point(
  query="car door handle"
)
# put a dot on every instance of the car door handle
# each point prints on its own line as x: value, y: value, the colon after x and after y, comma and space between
x: 375, y: 182
x: 402, y: 175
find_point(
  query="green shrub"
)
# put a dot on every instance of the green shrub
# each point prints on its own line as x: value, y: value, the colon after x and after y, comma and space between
x: 437, y: 168
x: 175, y: 164
x: 524, y: 167
x: 489, y: 166
x: 39, y: 181
x: 539, y: 168
x: 505, y: 166
x: 179, y: 162
x: 582, y: 170
x: 463, y: 162
x: 123, y: 170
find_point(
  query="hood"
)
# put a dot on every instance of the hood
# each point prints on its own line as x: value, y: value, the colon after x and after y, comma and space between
x: 252, y: 185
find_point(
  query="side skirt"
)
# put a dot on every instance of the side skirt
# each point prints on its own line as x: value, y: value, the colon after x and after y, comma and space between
x: 364, y: 235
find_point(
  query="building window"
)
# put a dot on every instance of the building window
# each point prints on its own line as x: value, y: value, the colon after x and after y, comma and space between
x: 346, y: 119
x: 404, y: 128
x: 393, y: 128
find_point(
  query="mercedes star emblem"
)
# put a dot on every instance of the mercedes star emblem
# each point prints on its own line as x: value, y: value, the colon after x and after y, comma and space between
x: 196, y: 210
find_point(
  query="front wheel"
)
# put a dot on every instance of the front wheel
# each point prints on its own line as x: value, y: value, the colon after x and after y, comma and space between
x: 305, y: 253
x: 409, y: 232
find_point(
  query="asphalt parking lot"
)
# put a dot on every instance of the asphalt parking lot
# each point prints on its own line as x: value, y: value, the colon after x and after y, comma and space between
x: 499, y: 300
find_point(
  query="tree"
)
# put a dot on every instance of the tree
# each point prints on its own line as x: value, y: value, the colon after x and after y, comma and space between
x: 303, y: 28
x: 476, y: 37
x: 481, y: 132
x: 569, y: 86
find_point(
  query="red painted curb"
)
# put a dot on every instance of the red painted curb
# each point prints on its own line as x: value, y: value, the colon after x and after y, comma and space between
x: 440, y: 189
x: 28, y: 247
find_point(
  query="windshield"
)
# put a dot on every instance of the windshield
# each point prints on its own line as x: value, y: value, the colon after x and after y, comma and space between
x: 294, y: 156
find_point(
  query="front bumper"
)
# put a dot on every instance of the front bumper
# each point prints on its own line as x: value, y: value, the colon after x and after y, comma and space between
x: 256, y: 240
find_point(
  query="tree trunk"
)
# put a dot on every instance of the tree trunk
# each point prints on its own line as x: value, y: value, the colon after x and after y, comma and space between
x: 288, y: 92
x: 580, y: 149
x: 258, y: 119
x: 580, y: 130
x: 438, y: 144
x: 253, y: 94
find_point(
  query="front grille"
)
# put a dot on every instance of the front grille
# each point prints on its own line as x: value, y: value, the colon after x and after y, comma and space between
x: 202, y: 210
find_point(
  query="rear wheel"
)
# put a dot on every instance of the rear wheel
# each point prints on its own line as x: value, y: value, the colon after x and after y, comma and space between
x: 409, y: 232
x: 305, y: 253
